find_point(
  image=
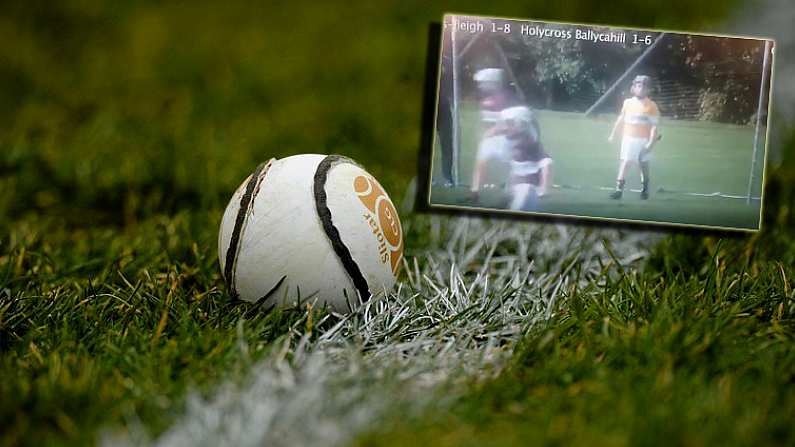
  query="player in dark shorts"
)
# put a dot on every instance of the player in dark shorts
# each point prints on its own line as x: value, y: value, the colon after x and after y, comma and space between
x: 531, y: 167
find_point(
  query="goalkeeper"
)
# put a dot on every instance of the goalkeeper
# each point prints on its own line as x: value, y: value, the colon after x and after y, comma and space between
x: 640, y: 118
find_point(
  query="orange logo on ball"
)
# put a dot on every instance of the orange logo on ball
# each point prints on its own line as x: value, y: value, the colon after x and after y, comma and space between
x: 387, y: 225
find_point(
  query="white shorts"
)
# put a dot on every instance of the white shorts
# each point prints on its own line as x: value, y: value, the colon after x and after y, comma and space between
x: 494, y: 148
x: 631, y: 148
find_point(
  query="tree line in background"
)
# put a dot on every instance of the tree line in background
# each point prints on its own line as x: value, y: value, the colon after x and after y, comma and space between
x: 696, y: 77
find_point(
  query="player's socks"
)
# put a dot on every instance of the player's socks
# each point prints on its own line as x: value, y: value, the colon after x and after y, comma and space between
x: 619, y: 190
x: 644, y: 178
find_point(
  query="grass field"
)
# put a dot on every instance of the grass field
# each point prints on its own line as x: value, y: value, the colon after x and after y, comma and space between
x: 693, y: 157
x: 666, y: 356
x: 125, y: 128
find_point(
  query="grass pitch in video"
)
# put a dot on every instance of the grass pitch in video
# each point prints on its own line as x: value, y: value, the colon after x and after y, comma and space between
x: 601, y: 122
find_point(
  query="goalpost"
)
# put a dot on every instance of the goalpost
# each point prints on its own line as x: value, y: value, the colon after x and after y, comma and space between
x: 454, y: 103
x: 685, y: 101
x: 765, y: 62
x: 458, y: 60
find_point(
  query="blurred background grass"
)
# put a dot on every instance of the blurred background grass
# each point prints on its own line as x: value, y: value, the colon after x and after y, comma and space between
x: 124, y: 129
x: 115, y: 111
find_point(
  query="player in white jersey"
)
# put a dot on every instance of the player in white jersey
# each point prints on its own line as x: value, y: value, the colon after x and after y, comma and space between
x: 494, y: 148
x: 640, y: 119
x: 531, y: 167
x: 494, y: 96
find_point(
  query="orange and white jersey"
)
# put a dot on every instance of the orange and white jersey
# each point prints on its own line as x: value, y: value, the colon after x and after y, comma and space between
x: 640, y: 115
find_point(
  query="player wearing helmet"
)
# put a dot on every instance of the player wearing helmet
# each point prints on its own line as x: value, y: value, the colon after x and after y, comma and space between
x: 639, y: 120
x: 531, y: 167
x: 493, y: 94
x: 494, y: 97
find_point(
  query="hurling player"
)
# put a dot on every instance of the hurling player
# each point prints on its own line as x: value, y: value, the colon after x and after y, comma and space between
x: 494, y: 98
x: 531, y: 166
x: 640, y: 118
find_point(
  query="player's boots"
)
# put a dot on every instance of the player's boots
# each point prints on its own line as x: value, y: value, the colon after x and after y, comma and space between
x: 644, y: 178
x: 619, y: 192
